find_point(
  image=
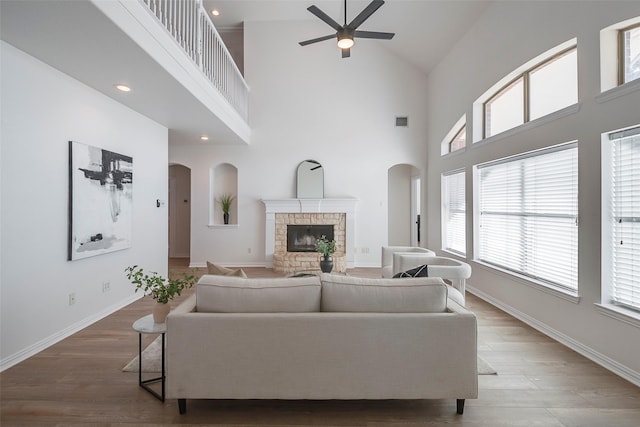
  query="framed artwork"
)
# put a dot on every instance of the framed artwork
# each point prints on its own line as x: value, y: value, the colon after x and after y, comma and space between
x: 100, y: 201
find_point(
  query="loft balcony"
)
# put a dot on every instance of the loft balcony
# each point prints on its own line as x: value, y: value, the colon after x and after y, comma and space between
x: 168, y: 51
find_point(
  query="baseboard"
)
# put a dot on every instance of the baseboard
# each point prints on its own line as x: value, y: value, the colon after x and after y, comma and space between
x: 586, y: 351
x: 47, y: 342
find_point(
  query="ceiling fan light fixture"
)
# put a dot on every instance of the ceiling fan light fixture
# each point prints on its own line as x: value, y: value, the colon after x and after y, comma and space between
x: 345, y: 41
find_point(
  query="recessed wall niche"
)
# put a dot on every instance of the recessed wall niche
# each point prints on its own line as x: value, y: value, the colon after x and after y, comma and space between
x: 223, y: 181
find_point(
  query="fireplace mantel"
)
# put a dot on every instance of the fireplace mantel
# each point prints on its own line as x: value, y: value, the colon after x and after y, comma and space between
x: 273, y: 206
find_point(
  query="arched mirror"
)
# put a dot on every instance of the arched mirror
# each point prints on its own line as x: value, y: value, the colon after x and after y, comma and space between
x: 310, y: 180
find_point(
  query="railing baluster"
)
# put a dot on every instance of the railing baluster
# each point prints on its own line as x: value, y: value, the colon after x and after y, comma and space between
x: 188, y: 23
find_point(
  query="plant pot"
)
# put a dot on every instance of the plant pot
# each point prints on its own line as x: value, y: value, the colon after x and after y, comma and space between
x: 160, y: 312
x: 225, y: 217
x: 326, y: 264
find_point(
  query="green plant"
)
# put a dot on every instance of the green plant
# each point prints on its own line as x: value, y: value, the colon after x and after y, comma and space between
x: 225, y: 200
x: 161, y: 289
x: 324, y: 246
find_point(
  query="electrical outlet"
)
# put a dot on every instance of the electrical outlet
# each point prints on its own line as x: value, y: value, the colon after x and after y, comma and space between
x: 106, y: 286
x: 72, y: 298
x: 365, y: 250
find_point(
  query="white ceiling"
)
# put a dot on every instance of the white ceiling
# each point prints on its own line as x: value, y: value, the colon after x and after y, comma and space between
x: 425, y: 29
x: 77, y: 39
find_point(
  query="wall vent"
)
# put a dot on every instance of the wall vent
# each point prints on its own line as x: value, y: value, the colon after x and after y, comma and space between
x: 402, y: 121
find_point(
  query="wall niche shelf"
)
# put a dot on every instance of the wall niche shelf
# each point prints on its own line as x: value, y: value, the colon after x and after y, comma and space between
x: 223, y: 181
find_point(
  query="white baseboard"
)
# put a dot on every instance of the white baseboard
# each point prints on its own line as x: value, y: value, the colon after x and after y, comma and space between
x: 586, y: 351
x: 43, y: 344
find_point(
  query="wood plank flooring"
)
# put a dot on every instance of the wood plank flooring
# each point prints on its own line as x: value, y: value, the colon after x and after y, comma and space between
x: 79, y: 381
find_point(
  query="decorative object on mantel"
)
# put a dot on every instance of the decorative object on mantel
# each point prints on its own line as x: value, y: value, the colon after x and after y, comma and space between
x: 326, y: 248
x: 310, y: 180
x: 161, y: 289
x: 225, y: 201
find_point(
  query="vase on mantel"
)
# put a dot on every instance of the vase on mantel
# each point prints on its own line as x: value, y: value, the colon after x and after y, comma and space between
x: 160, y: 312
x: 326, y: 264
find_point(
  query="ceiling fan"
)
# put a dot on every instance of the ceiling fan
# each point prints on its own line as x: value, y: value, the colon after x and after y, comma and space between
x: 346, y: 33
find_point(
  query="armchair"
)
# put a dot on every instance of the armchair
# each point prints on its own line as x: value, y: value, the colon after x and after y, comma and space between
x: 387, y: 256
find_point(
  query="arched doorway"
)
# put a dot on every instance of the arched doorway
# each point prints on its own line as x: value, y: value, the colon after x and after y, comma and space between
x: 179, y: 211
x: 403, y: 205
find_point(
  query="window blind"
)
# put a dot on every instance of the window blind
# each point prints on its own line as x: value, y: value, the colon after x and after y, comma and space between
x: 454, y: 232
x: 528, y: 208
x: 625, y: 217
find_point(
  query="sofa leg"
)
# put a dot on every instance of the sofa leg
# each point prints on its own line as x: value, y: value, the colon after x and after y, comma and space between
x: 182, y: 406
x: 460, y: 406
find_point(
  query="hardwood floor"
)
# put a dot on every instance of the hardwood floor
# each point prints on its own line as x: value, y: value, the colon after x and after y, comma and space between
x: 79, y: 381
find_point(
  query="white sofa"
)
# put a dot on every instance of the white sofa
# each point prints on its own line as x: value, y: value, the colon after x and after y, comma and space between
x: 451, y: 270
x: 387, y: 256
x: 327, y: 337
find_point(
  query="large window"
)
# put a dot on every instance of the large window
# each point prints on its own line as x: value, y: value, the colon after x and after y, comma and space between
x: 528, y: 215
x: 547, y: 87
x: 629, y: 54
x: 454, y: 212
x: 622, y: 216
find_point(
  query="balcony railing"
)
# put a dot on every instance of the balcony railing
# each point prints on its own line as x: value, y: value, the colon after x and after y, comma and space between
x: 189, y: 24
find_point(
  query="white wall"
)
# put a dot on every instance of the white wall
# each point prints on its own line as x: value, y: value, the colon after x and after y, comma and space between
x: 507, y: 36
x: 308, y: 103
x: 42, y: 109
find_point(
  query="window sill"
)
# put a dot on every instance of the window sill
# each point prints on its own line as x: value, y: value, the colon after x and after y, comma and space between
x: 572, y: 297
x: 618, y: 91
x: 223, y: 225
x: 567, y: 111
x: 620, y: 313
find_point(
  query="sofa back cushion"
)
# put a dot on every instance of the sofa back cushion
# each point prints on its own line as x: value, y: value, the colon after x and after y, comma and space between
x: 227, y: 294
x: 353, y: 294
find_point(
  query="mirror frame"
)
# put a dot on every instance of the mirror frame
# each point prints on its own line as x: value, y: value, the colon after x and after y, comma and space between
x: 310, y: 180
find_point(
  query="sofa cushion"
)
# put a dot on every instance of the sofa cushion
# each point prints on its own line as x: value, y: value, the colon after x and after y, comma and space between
x: 352, y: 294
x: 227, y: 294
x: 224, y: 271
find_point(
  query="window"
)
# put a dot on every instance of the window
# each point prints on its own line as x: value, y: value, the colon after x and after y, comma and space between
x: 459, y: 141
x: 454, y: 212
x: 528, y: 213
x: 623, y: 217
x: 629, y: 46
x: 547, y: 87
x: 456, y: 138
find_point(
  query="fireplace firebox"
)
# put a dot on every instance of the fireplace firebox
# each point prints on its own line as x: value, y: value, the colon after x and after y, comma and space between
x: 302, y: 238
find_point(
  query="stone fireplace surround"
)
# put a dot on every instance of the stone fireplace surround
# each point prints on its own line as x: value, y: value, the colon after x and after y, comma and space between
x: 280, y: 212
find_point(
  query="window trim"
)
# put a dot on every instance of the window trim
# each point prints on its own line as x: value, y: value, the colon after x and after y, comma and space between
x: 621, y: 55
x: 455, y: 137
x: 526, y: 99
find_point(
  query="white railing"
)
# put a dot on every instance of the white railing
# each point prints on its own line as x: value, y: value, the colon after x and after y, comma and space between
x: 189, y: 24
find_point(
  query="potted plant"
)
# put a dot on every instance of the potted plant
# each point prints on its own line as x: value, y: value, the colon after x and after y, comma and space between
x: 161, y: 289
x: 225, y: 201
x: 326, y: 248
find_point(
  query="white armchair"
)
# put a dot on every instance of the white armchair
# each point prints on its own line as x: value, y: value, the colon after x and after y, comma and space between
x: 453, y: 272
x: 387, y: 256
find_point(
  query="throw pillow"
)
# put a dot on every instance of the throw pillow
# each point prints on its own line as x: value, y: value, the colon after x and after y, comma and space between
x: 219, y: 270
x: 420, y: 271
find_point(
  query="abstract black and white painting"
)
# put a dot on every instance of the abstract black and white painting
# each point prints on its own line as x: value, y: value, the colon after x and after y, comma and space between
x: 100, y: 201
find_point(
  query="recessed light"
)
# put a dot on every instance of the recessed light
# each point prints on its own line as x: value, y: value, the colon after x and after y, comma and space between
x: 215, y: 12
x: 204, y: 138
x: 123, y: 88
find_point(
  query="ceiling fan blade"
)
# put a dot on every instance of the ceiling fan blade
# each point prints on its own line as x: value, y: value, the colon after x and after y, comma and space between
x: 319, y: 39
x: 346, y: 53
x: 373, y: 35
x: 365, y: 14
x: 326, y: 18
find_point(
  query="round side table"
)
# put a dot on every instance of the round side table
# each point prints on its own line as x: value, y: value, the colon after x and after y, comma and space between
x: 145, y: 325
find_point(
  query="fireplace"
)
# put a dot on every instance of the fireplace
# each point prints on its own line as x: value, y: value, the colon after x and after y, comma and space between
x: 336, y: 213
x: 302, y: 238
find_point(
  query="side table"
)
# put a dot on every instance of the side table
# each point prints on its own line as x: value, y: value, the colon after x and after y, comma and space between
x: 145, y: 325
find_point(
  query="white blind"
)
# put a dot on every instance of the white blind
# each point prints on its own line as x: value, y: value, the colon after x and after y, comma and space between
x: 625, y: 217
x: 454, y: 235
x: 528, y: 215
